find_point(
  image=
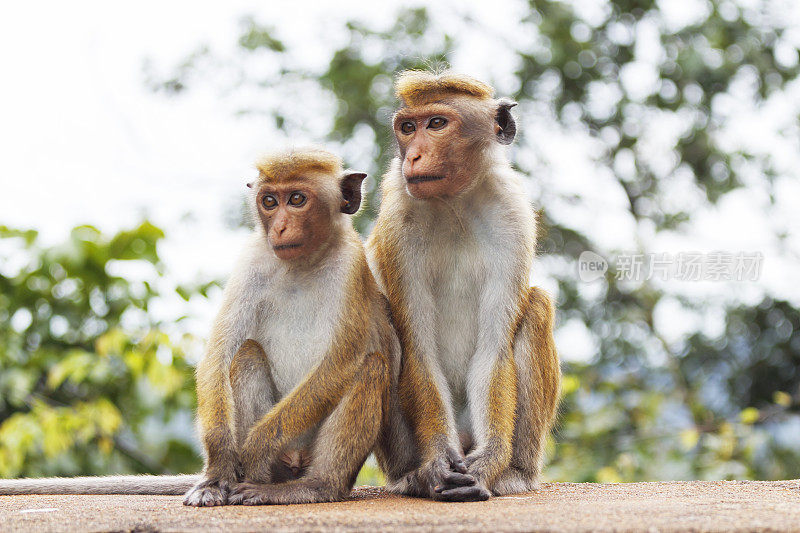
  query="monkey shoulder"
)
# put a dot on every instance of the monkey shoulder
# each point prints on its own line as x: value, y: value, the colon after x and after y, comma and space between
x: 506, y: 218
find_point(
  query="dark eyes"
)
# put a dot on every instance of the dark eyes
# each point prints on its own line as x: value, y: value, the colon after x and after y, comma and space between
x: 297, y: 199
x: 437, y: 123
x: 269, y: 202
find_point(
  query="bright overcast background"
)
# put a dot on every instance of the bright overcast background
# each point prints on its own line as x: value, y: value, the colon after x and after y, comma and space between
x: 83, y: 139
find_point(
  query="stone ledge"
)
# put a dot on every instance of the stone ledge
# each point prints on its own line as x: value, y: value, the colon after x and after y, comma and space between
x: 662, y: 506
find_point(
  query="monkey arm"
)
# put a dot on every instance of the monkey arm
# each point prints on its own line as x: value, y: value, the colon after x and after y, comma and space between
x: 425, y: 399
x: 492, y: 379
x: 215, y: 417
x: 214, y: 393
x: 423, y: 390
x: 304, y: 407
x: 493, y: 402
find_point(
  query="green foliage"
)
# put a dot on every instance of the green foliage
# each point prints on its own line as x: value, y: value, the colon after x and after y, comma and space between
x: 699, y: 62
x: 762, y: 343
x: 362, y: 88
x: 86, y: 379
x: 85, y: 375
x: 255, y: 37
x: 640, y: 408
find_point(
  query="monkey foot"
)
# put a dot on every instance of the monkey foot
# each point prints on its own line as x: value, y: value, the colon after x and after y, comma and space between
x: 208, y: 493
x: 251, y: 494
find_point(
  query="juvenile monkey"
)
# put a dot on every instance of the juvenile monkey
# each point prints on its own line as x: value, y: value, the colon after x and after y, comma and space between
x: 295, y: 384
x: 452, y: 250
x: 300, y: 356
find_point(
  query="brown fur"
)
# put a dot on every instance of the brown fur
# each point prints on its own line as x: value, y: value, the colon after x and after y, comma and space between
x: 319, y: 393
x: 415, y: 87
x: 418, y: 395
x: 235, y: 390
x: 247, y: 430
x: 285, y: 165
x: 523, y: 386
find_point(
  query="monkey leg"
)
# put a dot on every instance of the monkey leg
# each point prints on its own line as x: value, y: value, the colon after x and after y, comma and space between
x: 343, y: 443
x: 538, y: 382
x: 253, y: 387
x: 397, y: 451
x: 253, y: 393
x: 400, y: 457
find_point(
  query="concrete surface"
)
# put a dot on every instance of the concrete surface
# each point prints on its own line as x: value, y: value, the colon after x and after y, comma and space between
x: 671, y: 506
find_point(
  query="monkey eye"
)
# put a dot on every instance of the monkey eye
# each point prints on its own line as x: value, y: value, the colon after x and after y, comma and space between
x: 297, y: 199
x: 407, y: 127
x: 437, y: 123
x: 269, y: 202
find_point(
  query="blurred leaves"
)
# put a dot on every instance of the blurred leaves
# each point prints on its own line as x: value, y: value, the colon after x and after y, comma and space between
x: 362, y: 87
x: 695, y: 64
x: 710, y: 406
x: 76, y: 342
x: 255, y: 37
x: 85, y: 376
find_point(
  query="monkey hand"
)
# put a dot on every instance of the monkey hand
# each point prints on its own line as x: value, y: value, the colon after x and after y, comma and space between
x: 209, y: 492
x: 447, y: 479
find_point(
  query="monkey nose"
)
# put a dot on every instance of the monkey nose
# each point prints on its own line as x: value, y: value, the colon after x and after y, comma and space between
x: 411, y: 159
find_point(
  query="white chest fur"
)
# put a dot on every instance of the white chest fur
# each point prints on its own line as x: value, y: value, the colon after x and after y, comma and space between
x: 457, y: 259
x: 457, y: 277
x: 470, y: 262
x: 297, y: 323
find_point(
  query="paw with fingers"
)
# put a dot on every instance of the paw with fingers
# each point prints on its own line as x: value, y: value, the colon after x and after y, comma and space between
x: 209, y: 492
x: 249, y: 494
x: 448, y: 480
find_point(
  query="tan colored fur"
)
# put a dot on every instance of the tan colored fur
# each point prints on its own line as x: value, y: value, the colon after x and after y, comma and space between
x: 298, y: 364
x: 348, y: 346
x: 285, y: 165
x: 480, y: 373
x: 415, y: 87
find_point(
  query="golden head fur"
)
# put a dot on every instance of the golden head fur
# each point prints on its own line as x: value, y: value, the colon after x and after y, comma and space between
x: 416, y: 87
x: 293, y: 163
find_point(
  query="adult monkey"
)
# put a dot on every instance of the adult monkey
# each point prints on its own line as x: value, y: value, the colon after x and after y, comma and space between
x: 295, y: 384
x: 452, y: 249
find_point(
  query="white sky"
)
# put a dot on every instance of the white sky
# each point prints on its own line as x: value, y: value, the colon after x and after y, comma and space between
x: 85, y: 141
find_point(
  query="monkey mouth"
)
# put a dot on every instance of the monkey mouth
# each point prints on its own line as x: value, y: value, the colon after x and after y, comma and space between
x: 421, y: 178
x: 287, y: 246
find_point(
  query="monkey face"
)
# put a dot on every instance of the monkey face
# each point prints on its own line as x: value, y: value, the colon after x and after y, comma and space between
x: 296, y: 220
x: 443, y: 144
x: 431, y: 144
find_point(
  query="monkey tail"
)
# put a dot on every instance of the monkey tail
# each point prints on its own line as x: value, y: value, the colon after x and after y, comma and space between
x: 154, y: 485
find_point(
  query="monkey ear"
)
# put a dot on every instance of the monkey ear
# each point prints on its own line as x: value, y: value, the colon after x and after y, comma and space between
x: 505, y: 127
x: 351, y: 191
